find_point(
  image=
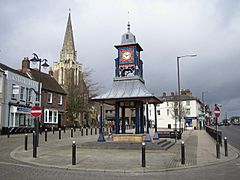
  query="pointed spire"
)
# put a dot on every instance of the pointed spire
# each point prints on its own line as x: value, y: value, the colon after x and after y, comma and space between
x: 68, y: 44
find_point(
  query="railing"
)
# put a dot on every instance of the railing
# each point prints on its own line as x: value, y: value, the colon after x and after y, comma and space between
x: 213, y: 133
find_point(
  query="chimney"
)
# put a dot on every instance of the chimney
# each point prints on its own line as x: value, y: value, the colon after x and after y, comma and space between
x: 25, y: 64
x: 164, y: 94
x: 50, y: 72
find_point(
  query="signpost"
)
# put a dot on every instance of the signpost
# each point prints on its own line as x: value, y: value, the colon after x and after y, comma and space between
x: 36, y: 111
x: 217, y: 113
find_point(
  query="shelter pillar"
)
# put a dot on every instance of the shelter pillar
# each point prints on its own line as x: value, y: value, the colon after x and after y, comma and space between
x: 123, y: 121
x: 148, y: 137
x: 117, y: 118
x: 137, y: 120
x: 141, y: 118
x: 101, y: 136
x: 155, y: 137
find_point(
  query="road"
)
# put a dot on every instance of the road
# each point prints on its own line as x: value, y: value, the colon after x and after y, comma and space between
x: 14, y: 170
x: 233, y: 135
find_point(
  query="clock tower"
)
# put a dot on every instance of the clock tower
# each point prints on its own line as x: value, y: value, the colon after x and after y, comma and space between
x: 128, y: 62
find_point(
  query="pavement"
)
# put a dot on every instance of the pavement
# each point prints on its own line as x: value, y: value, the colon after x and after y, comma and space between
x: 57, y: 153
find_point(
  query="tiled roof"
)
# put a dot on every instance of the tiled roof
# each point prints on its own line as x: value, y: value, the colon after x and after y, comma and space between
x: 7, y: 68
x: 48, y: 82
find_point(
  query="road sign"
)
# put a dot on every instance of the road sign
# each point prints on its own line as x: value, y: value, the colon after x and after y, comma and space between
x: 217, y: 111
x: 36, y: 111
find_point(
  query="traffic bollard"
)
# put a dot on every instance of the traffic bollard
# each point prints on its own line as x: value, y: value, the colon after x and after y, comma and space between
x: 59, y: 133
x: 73, y: 153
x: 182, y: 153
x: 74, y: 128
x: 86, y: 131
x: 64, y: 128
x: 91, y: 131
x: 34, y: 145
x: 71, y: 132
x: 218, y: 150
x: 82, y: 132
x: 26, y: 142
x: 143, y: 154
x: 8, y: 133
x: 45, y: 135
x: 225, y: 146
x: 95, y: 131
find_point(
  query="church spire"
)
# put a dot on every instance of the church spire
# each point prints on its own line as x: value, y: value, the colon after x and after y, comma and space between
x: 68, y: 44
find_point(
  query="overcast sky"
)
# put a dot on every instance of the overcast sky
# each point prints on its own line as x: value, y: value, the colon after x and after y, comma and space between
x: 164, y: 28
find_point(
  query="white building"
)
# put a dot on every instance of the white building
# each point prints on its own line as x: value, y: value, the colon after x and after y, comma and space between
x: 19, y: 95
x: 167, y: 112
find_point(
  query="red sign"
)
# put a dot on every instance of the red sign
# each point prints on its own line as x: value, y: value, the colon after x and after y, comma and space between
x: 36, y: 111
x: 217, y: 111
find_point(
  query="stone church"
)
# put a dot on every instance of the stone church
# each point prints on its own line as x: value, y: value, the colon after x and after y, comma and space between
x: 69, y: 74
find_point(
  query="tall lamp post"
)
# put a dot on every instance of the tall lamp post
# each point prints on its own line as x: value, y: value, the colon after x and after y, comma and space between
x: 204, y: 109
x: 38, y: 60
x: 178, y: 76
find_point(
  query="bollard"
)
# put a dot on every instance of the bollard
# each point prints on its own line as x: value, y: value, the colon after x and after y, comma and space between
x: 73, y: 153
x: 71, y: 132
x: 64, y: 128
x: 53, y: 130
x: 95, y: 131
x: 86, y: 131
x: 8, y: 133
x: 45, y: 135
x: 218, y: 150
x: 143, y: 154
x: 225, y: 146
x: 182, y: 153
x: 26, y: 142
x: 91, y: 131
x: 34, y: 145
x: 59, y: 133
x: 82, y: 132
x: 74, y: 128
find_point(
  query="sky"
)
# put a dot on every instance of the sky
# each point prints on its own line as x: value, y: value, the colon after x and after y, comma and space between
x: 165, y: 29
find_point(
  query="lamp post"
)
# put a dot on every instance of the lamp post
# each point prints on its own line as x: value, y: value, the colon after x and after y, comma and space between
x: 178, y: 77
x: 204, y: 109
x: 38, y: 60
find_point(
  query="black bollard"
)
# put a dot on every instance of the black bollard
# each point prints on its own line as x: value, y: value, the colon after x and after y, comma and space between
x: 86, y: 131
x: 82, y: 132
x: 71, y: 132
x: 95, y: 130
x: 26, y: 142
x: 182, y: 153
x: 74, y: 128
x: 45, y: 135
x: 225, y: 146
x: 8, y: 133
x: 91, y: 131
x: 34, y: 145
x: 64, y: 128
x: 218, y: 150
x: 143, y: 154
x: 73, y: 153
x: 59, y: 133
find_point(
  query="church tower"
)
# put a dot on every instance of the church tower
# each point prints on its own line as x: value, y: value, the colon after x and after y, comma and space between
x: 68, y: 72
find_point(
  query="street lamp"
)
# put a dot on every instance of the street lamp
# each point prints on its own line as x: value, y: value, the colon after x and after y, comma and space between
x: 204, y: 109
x: 34, y: 60
x: 178, y: 75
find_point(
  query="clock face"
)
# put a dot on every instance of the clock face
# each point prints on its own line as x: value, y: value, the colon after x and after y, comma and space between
x: 127, y: 56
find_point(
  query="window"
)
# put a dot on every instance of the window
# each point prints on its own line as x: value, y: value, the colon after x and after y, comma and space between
x: 22, y: 93
x: 188, y: 111
x: 167, y: 104
x: 188, y: 103
x: 15, y: 91
x: 50, y: 116
x: 30, y: 95
x: 167, y: 112
x: 158, y: 112
x: 127, y: 36
x: 54, y: 116
x: 60, y: 99
x: 49, y: 97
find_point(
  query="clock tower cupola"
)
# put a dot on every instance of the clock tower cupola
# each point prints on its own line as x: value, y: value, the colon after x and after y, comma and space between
x: 128, y: 62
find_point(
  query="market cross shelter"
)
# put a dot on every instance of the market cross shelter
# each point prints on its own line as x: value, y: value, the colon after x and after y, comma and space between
x: 128, y: 89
